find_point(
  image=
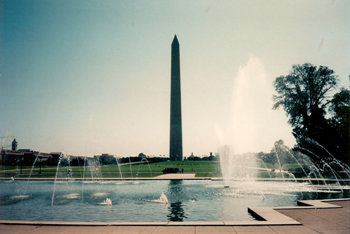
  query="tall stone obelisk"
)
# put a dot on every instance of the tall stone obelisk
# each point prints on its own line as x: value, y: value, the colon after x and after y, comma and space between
x: 175, y: 104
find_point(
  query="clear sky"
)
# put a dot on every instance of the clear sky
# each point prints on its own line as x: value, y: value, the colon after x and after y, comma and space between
x: 88, y: 77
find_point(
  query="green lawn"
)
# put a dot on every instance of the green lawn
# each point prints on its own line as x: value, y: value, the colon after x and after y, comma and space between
x: 137, y: 170
x: 200, y: 168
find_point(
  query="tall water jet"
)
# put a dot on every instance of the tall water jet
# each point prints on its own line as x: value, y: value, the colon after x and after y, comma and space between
x: 131, y: 174
x: 237, y: 166
x: 119, y: 170
x: 54, y: 184
x: 246, y: 133
x: 30, y: 173
x: 142, y: 162
x: 94, y: 168
x: 82, y: 184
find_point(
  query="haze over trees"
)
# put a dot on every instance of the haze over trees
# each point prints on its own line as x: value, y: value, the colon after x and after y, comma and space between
x: 319, y: 119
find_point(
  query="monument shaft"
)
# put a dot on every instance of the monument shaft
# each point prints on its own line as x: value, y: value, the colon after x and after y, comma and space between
x: 175, y: 104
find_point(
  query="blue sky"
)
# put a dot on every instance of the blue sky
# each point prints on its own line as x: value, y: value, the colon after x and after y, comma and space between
x: 89, y: 77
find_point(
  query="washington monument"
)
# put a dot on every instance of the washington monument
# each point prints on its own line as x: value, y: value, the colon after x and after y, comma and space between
x: 175, y: 104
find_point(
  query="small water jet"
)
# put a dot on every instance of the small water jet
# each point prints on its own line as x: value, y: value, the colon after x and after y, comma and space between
x: 70, y: 196
x: 99, y: 194
x: 63, y: 177
x: 107, y: 202
x: 162, y: 199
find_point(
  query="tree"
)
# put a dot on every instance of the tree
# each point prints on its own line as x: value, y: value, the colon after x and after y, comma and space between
x: 268, y: 157
x: 305, y: 96
x: 106, y: 159
x: 340, y: 107
x: 340, y: 123
x: 142, y: 156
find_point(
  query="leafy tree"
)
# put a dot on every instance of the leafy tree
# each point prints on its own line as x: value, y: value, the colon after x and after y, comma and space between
x: 268, y: 157
x: 305, y: 96
x: 340, y: 109
x: 79, y: 161
x: 106, y: 159
x: 64, y: 162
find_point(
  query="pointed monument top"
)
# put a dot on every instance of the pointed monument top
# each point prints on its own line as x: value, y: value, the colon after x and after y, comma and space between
x: 175, y: 41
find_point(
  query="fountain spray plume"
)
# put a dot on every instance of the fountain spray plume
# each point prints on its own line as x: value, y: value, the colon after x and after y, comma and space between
x: 246, y: 131
x: 324, y: 159
x: 237, y: 166
x: 30, y: 174
x: 119, y: 169
x: 82, y: 184
x: 54, y: 185
x: 282, y: 150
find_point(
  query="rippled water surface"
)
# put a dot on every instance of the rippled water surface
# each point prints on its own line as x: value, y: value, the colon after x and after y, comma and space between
x: 141, y: 201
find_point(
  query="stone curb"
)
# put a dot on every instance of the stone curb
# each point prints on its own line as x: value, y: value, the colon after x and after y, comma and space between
x: 174, y: 178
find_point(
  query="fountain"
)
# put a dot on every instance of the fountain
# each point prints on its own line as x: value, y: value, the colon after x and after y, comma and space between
x: 253, y: 121
x: 293, y: 172
x: 248, y: 179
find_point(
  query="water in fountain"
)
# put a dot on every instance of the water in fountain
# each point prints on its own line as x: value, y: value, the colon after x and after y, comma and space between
x: 330, y: 159
x: 30, y: 173
x: 247, y: 131
x: 107, y: 202
x: 63, y: 187
x: 120, y: 171
x: 162, y: 199
x: 252, y: 125
x: 131, y: 174
x: 94, y: 168
x: 54, y: 184
x: 22, y: 190
x: 237, y: 166
x: 295, y: 172
x: 18, y: 169
x: 82, y: 184
x: 144, y: 161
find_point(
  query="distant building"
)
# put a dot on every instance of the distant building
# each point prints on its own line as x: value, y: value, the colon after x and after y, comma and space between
x: 56, y: 154
x: 9, y: 156
x: 43, y: 157
x: 15, y: 157
x: 14, y: 144
x: 22, y: 157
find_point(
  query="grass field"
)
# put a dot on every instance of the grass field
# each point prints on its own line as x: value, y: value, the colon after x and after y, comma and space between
x: 200, y: 168
x: 139, y: 170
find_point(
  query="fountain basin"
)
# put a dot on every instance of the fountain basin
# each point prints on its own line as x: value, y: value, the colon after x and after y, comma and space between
x: 188, y: 200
